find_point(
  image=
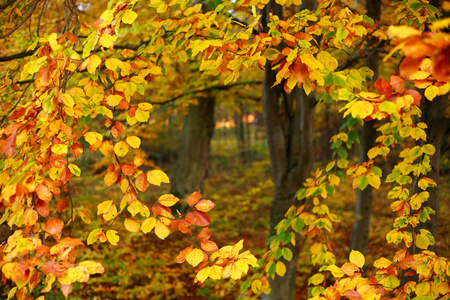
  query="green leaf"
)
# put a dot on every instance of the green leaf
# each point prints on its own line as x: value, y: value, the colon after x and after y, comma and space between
x: 287, y: 253
x: 362, y: 182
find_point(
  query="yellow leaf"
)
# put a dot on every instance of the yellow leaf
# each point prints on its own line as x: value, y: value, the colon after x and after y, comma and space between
x: 361, y: 109
x: 168, y: 200
x: 316, y: 279
x: 280, y: 268
x: 92, y: 267
x: 215, y: 272
x: 113, y: 64
x: 161, y: 230
x: 107, y: 40
x: 203, y: 274
x: 134, y: 207
x: 93, y: 137
x: 157, y: 177
x: 94, y: 62
x: 148, y: 225
x: 112, y: 237
x: 374, y: 180
x: 78, y: 274
x: 402, y: 31
x: 335, y: 271
x: 357, y: 258
x: 194, y: 257
x: 142, y: 115
x: 132, y: 225
x: 431, y: 92
x: 382, y: 263
x: 67, y: 100
x: 134, y: 141
x: 121, y: 148
x: 129, y: 16
x: 104, y: 207
x: 145, y: 106
x: 256, y: 286
x: 92, y: 237
x: 113, y: 100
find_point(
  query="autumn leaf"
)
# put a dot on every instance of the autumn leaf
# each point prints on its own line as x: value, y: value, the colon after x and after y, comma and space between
x: 132, y: 225
x: 54, y: 226
x: 134, y: 141
x: 205, y: 205
x: 142, y: 182
x: 43, y: 193
x: 194, y: 257
x: 161, y: 230
x: 156, y: 177
x: 198, y: 218
x: 168, y: 200
x: 112, y: 237
x: 121, y: 148
x: 194, y: 198
x: 357, y: 258
x: 148, y: 225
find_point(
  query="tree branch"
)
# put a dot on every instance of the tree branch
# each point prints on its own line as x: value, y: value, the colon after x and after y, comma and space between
x: 4, y: 6
x: 207, y: 89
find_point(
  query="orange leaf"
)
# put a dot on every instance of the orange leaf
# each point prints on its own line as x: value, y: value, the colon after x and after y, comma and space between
x: 383, y: 86
x: 42, y: 208
x: 142, y: 182
x: 43, y: 193
x: 183, y: 226
x: 209, y: 246
x: 205, y: 205
x: 204, y: 234
x: 193, y: 198
x: 331, y: 293
x: 138, y: 161
x: 181, y: 258
x: 350, y: 269
x: 61, y: 205
x: 54, y: 226
x: 397, y: 83
x: 10, y: 146
x: 352, y: 295
x: 198, y: 218
x: 111, y: 178
x: 128, y: 169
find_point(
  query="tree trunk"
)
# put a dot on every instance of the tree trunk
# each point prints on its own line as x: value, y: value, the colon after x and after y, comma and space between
x: 363, y: 207
x: 438, y: 125
x: 193, y: 152
x: 289, y: 121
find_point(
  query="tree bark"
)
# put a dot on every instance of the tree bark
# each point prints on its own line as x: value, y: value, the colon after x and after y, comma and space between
x: 363, y: 206
x: 438, y: 125
x: 191, y: 166
x: 289, y: 121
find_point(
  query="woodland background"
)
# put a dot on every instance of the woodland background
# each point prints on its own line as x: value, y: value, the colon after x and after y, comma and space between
x: 210, y: 134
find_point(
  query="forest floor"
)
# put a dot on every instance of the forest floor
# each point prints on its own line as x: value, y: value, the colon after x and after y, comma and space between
x: 144, y: 267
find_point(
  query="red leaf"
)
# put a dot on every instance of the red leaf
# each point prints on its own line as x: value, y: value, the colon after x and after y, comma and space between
x: 142, y: 182
x: 198, y: 218
x: 383, y: 86
x: 43, y: 193
x: 42, y: 208
x: 10, y: 146
x: 397, y: 83
x: 352, y: 295
x: 193, y: 198
x: 54, y: 226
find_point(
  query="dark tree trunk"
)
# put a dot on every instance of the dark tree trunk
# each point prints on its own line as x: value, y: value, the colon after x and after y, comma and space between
x: 193, y: 152
x: 288, y: 120
x: 435, y: 118
x: 363, y: 207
